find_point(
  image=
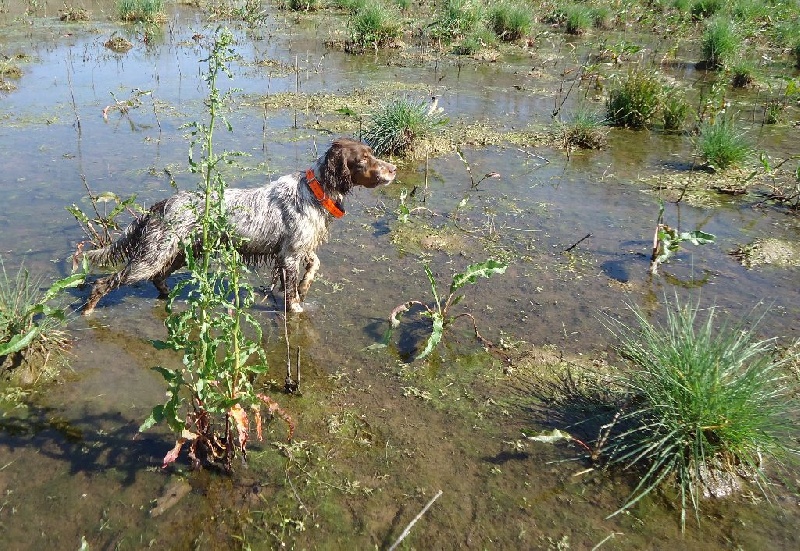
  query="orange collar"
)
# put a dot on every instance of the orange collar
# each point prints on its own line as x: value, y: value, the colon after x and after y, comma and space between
x: 316, y: 188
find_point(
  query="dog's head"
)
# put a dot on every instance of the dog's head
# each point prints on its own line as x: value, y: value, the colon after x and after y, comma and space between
x: 351, y: 163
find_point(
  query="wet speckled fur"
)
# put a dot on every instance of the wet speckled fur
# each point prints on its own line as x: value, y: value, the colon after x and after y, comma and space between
x: 281, y: 223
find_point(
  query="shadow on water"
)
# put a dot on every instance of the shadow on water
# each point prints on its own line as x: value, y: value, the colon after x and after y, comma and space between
x: 91, y: 443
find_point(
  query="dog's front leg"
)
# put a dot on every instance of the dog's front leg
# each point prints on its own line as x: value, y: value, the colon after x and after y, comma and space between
x: 312, y: 266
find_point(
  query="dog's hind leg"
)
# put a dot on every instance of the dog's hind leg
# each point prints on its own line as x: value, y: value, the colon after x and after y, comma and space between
x: 289, y: 275
x: 312, y: 266
x: 161, y: 284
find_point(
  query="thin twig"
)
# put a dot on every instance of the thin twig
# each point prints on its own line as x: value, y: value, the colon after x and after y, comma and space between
x: 413, y: 522
x: 578, y: 242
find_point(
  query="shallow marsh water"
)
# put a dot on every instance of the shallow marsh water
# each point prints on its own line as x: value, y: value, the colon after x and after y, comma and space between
x: 377, y: 437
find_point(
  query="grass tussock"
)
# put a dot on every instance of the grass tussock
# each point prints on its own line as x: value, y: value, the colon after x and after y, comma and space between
x: 706, y: 406
x: 721, y: 42
x: 636, y: 101
x: 584, y: 130
x: 721, y: 144
x: 674, y: 110
x: 374, y: 25
x: 32, y: 333
x: 458, y: 19
x: 146, y: 11
x: 510, y: 20
x: 395, y: 127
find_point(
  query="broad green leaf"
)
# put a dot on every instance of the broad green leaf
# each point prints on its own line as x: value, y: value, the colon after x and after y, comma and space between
x: 435, y: 337
x: 698, y: 237
x: 155, y: 417
x: 482, y: 269
x: 70, y: 281
x: 106, y: 197
x: 18, y: 342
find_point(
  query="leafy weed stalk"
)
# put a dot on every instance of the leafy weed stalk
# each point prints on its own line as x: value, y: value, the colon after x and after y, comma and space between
x: 212, y: 398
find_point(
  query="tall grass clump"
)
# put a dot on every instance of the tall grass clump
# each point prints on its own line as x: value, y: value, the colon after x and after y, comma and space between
x: 510, y: 20
x: 147, y: 11
x: 636, y: 101
x: 31, y: 328
x: 743, y: 73
x: 674, y: 110
x: 395, y: 127
x: 300, y: 5
x: 475, y: 41
x: 458, y: 19
x: 720, y: 42
x: 705, y: 406
x: 578, y: 18
x: 375, y: 25
x: 702, y: 9
x: 212, y: 399
x: 584, y: 130
x: 796, y: 53
x: 721, y: 143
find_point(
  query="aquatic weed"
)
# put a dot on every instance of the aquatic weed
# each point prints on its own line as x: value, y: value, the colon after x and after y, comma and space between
x: 29, y: 324
x: 578, y: 18
x: 743, y: 73
x: 374, y: 25
x: 458, y: 19
x: 584, y: 129
x: 674, y: 110
x: 439, y: 313
x: 147, y: 11
x: 510, y: 20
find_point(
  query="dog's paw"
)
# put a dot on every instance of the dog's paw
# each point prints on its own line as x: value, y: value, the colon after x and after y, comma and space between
x: 296, y: 308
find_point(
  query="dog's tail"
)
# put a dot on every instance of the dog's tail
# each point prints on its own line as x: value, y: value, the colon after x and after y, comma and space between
x: 120, y: 250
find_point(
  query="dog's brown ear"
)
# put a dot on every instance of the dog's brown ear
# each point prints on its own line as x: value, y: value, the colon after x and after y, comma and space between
x: 337, y: 175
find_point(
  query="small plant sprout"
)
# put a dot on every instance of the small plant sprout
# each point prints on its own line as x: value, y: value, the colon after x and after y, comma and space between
x: 473, y: 183
x: 440, y: 312
x: 667, y: 241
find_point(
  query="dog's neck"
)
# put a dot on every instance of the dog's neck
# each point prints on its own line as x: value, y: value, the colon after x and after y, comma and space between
x: 335, y: 208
